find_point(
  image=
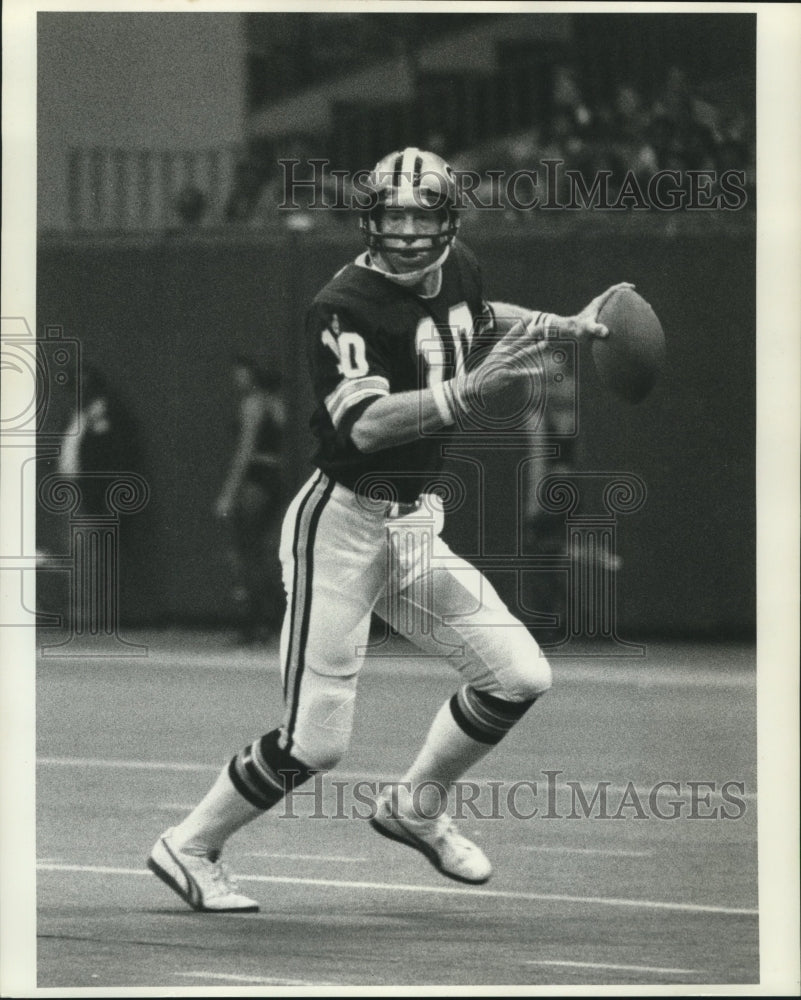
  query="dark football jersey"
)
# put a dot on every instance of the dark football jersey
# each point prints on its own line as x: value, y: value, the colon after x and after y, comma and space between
x: 368, y: 337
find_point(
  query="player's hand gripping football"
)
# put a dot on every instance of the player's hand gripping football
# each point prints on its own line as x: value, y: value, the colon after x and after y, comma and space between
x: 516, y: 354
x: 586, y: 324
x: 525, y: 338
x: 583, y: 325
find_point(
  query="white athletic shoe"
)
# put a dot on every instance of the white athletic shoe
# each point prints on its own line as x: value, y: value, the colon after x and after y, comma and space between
x: 438, y: 839
x: 200, y: 880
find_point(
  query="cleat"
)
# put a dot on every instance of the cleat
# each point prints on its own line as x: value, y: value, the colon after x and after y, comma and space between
x: 438, y: 839
x: 200, y: 880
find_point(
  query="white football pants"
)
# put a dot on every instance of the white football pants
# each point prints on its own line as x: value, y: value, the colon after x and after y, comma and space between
x: 344, y: 556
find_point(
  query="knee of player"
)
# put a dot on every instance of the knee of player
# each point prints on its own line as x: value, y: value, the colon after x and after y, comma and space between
x: 529, y: 679
x: 321, y: 755
x: 327, y: 760
x: 541, y: 676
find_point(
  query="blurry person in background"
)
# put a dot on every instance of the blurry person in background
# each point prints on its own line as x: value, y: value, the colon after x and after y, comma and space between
x: 99, y: 438
x: 544, y: 533
x: 553, y: 426
x: 100, y: 446
x: 250, y: 499
x: 555, y: 450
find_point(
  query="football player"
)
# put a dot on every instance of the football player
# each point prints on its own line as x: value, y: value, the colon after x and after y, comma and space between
x: 403, y: 348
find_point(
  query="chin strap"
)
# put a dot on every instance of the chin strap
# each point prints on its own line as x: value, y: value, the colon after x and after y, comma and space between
x: 412, y: 277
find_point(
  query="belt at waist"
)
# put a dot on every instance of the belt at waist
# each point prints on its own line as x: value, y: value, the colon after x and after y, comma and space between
x: 378, y: 506
x: 398, y: 509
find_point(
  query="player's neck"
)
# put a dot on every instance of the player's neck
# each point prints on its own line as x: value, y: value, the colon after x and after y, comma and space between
x: 427, y: 286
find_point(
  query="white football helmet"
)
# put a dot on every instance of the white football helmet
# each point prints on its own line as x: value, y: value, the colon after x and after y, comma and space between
x: 411, y: 178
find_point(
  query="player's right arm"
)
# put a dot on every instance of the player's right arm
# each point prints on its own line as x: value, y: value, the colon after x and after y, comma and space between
x: 397, y: 419
x: 401, y: 417
x: 353, y: 380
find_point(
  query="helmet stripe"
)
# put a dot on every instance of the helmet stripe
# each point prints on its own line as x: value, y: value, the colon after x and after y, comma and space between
x: 410, y: 157
x: 396, y: 173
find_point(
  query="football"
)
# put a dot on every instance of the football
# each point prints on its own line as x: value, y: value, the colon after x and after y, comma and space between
x: 630, y: 360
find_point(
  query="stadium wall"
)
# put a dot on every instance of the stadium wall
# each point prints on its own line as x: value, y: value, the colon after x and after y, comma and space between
x: 161, y: 317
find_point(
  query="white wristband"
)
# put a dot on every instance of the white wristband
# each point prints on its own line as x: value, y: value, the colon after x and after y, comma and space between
x: 456, y: 394
x: 443, y: 404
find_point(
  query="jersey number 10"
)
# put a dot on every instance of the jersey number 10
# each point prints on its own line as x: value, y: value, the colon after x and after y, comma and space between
x: 351, y: 353
x: 350, y: 349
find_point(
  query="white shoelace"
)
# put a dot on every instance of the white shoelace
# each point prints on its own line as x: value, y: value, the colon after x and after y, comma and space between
x: 221, y: 876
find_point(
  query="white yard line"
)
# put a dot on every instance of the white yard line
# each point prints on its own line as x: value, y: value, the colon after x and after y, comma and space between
x: 611, y: 967
x: 642, y: 904
x: 585, y: 850
x: 129, y: 765
x: 178, y: 766
x: 256, y: 980
x: 305, y: 857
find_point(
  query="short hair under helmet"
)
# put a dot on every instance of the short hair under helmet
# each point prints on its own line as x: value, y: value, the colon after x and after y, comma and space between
x: 411, y: 178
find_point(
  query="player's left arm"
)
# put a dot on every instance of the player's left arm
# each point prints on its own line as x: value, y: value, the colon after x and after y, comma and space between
x: 505, y: 316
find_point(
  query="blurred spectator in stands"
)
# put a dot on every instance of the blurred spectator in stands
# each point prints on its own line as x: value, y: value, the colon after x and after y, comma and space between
x: 567, y: 95
x: 629, y: 130
x: 250, y: 501
x: 675, y: 101
x: 631, y: 117
x: 679, y: 129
